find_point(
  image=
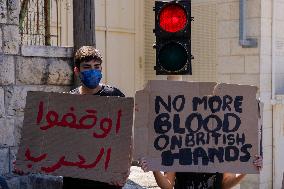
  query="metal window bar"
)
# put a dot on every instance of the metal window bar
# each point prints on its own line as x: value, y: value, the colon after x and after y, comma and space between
x: 35, y: 22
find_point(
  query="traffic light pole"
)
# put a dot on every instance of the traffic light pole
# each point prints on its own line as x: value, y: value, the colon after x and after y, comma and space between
x: 174, y: 78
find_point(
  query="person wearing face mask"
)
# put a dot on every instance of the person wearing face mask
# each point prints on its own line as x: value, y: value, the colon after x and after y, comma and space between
x: 88, y: 67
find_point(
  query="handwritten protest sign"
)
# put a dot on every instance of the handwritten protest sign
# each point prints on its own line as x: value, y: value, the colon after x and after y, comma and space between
x: 197, y: 127
x: 283, y: 182
x: 81, y: 136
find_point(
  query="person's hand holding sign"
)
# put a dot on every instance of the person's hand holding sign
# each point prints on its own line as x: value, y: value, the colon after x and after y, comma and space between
x: 18, y: 171
x: 230, y: 180
x: 143, y: 164
x: 258, y: 162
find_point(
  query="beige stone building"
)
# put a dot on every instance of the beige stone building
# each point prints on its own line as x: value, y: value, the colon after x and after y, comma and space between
x: 124, y: 33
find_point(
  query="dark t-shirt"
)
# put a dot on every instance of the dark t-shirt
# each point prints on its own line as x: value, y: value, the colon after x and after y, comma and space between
x: 69, y: 182
x: 198, y: 181
x: 105, y: 91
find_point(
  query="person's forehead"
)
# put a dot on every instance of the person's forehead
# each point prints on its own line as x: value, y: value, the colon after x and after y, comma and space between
x: 92, y: 62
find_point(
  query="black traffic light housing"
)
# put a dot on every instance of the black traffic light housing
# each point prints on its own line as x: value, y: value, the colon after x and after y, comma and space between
x: 173, y: 37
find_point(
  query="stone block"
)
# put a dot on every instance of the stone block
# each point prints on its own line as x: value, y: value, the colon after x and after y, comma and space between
x: 265, y: 82
x: 3, y: 11
x: 279, y: 28
x: 245, y: 79
x: 15, y: 96
x: 35, y: 181
x: 228, y: 29
x: 223, y: 47
x: 266, y: 27
x: 31, y: 70
x: 223, y: 78
x: 267, y: 155
x: 265, y: 64
x: 11, y: 39
x: 266, y: 9
x: 224, y: 12
x: 266, y: 185
x: 279, y: 14
x: 267, y: 137
x: 231, y: 64
x: 1, y: 42
x: 2, y: 103
x: 265, y: 46
x: 267, y: 107
x: 224, y: 1
x: 234, y: 10
x: 265, y: 97
x: 7, y: 131
x: 253, y: 28
x: 254, y: 8
x: 250, y: 182
x: 252, y: 64
x: 7, y: 71
x: 60, y: 72
x: 267, y: 119
x: 13, y: 7
x: 4, y: 159
x: 43, y: 71
x: 47, y: 51
x: 266, y: 173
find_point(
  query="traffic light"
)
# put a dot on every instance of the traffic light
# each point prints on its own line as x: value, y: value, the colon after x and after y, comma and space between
x: 173, y: 37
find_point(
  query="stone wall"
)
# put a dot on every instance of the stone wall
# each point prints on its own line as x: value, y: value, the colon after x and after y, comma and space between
x: 22, y: 69
x: 251, y: 66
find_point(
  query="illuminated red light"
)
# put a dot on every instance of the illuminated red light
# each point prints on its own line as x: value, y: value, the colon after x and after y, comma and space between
x: 172, y: 18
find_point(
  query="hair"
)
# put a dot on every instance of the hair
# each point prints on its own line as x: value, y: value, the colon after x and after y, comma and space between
x: 86, y: 54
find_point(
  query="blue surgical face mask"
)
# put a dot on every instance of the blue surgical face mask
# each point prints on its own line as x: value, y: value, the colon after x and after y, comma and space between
x: 91, y: 78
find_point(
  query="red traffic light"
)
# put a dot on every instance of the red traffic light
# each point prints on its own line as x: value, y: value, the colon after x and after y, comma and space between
x: 173, y: 18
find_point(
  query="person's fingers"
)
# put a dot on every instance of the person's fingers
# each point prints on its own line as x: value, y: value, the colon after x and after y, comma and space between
x: 258, y: 157
x: 17, y: 171
x: 143, y: 161
x: 144, y: 164
x: 258, y: 162
x: 145, y: 168
x: 118, y: 183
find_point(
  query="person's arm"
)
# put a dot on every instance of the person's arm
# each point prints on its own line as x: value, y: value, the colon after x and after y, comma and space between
x: 166, y: 180
x: 230, y: 180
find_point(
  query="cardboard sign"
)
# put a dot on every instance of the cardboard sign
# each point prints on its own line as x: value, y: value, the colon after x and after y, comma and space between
x: 197, y: 127
x: 80, y: 136
x: 283, y: 182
